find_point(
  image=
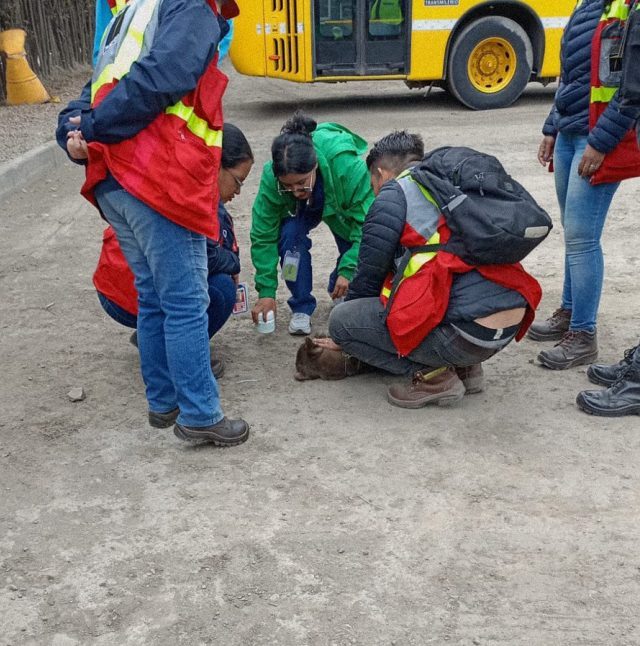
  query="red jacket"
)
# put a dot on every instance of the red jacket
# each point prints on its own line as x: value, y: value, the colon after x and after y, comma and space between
x: 165, y: 165
x: 421, y: 300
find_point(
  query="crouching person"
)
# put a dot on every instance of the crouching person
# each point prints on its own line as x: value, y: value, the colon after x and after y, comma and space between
x: 426, y: 315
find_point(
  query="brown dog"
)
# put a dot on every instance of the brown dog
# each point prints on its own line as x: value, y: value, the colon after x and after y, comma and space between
x: 315, y: 362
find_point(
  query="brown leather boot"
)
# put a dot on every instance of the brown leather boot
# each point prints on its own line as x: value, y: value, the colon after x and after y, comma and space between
x: 575, y: 349
x: 472, y: 377
x: 441, y: 386
x: 553, y: 328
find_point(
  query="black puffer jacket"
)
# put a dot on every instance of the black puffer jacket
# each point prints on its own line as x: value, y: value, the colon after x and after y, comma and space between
x: 380, y: 241
x: 570, y: 112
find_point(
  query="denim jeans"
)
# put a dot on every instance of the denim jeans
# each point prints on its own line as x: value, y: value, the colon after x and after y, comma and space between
x: 583, y: 210
x: 294, y: 236
x: 222, y: 298
x: 358, y: 327
x: 169, y: 263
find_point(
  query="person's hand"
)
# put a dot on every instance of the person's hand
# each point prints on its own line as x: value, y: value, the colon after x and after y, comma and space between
x: 327, y: 343
x: 76, y: 145
x: 545, y: 149
x: 74, y: 121
x: 590, y: 162
x: 262, y: 306
x: 341, y: 288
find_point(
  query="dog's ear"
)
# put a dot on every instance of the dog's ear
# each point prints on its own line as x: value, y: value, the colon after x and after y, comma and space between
x: 311, y: 347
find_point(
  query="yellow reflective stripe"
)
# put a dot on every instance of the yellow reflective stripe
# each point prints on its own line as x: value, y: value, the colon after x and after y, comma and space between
x: 618, y: 9
x: 129, y: 49
x: 417, y: 260
x: 386, y: 292
x: 127, y: 54
x: 602, y: 94
x: 197, y: 125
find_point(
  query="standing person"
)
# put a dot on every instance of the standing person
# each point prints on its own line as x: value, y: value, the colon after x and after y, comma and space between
x: 316, y: 175
x: 114, y: 281
x: 621, y: 381
x: 587, y: 134
x: 151, y: 138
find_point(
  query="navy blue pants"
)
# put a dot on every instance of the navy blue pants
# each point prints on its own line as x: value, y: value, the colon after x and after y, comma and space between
x: 294, y: 236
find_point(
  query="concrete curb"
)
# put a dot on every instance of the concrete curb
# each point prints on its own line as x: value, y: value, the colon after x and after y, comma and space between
x: 19, y: 172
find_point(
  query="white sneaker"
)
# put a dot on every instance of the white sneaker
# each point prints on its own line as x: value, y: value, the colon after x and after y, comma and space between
x: 300, y: 324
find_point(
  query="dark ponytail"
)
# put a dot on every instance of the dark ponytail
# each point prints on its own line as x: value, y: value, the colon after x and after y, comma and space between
x: 235, y: 147
x: 292, y: 151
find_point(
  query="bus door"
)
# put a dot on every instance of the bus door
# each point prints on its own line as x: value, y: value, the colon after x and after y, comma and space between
x: 361, y: 37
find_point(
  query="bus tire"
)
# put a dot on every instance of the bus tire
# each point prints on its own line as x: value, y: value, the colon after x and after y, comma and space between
x: 490, y: 63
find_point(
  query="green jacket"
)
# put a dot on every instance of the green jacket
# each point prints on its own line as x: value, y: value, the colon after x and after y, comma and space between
x: 347, y: 197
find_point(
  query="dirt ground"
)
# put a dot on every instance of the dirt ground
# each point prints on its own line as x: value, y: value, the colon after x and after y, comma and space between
x: 510, y: 519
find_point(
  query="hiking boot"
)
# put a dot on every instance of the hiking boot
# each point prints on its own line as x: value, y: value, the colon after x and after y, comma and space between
x: 553, y: 328
x: 621, y: 398
x: 300, y: 324
x: 575, y: 349
x: 441, y: 386
x: 604, y: 374
x: 472, y: 377
x: 163, y: 420
x: 227, y: 432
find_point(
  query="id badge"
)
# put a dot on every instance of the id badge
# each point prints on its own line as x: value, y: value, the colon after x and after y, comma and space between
x: 242, y: 299
x: 290, y: 266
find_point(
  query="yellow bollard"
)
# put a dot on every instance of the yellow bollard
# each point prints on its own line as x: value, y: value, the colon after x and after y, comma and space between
x: 23, y: 86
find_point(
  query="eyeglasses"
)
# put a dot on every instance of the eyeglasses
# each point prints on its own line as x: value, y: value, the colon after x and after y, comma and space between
x: 239, y: 182
x: 305, y: 186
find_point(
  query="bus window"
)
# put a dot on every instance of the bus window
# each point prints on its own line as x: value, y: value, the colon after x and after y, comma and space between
x: 335, y: 19
x: 386, y: 18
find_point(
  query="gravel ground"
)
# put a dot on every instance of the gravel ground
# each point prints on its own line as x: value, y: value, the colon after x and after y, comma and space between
x: 26, y: 126
x: 510, y: 519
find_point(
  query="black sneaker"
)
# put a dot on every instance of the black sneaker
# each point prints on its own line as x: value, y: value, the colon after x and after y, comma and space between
x: 575, y: 349
x: 227, y: 432
x: 605, y: 374
x: 553, y: 328
x: 621, y: 398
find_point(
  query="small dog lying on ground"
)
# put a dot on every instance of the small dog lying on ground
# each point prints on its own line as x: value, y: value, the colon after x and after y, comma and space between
x: 314, y: 361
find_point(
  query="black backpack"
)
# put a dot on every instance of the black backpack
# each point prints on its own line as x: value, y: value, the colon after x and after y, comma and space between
x: 492, y: 218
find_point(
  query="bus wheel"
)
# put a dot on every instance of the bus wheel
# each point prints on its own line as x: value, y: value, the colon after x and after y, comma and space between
x: 490, y: 63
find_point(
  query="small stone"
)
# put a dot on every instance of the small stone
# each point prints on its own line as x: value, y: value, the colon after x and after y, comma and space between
x: 13, y: 588
x: 76, y: 394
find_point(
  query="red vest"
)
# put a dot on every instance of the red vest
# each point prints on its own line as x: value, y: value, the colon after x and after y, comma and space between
x: 112, y: 276
x: 623, y: 162
x: 422, y: 298
x: 170, y: 165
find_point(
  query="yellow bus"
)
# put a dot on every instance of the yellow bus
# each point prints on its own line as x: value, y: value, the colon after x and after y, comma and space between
x: 483, y: 52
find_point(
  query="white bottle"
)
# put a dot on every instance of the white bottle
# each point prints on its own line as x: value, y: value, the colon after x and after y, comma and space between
x: 266, y: 322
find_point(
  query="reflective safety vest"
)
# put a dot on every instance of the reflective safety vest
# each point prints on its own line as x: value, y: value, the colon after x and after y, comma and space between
x: 422, y: 220
x: 606, y: 73
x: 116, y: 5
x: 172, y: 164
x: 416, y: 294
x: 386, y: 18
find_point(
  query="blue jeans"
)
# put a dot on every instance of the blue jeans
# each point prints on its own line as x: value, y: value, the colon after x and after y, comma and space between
x: 222, y: 298
x: 294, y: 236
x: 583, y: 210
x: 169, y: 263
